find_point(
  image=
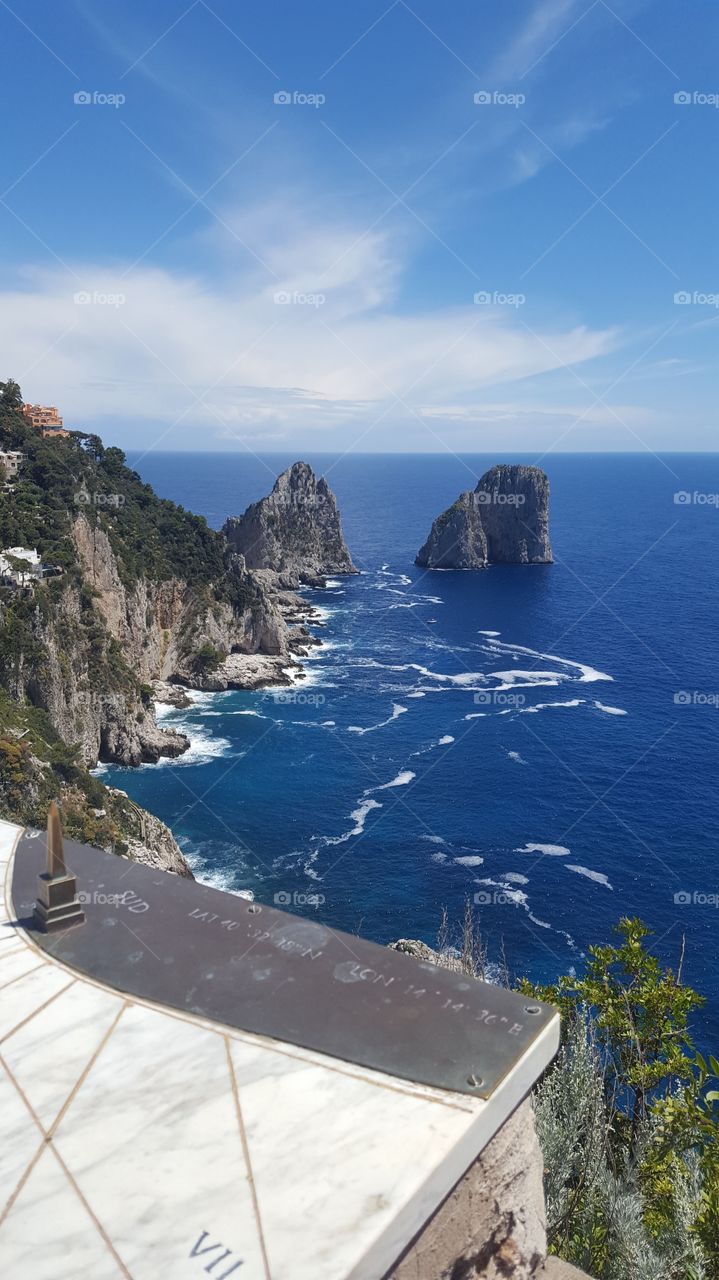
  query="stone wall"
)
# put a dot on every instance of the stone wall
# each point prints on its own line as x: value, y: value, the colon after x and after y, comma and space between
x: 492, y: 1225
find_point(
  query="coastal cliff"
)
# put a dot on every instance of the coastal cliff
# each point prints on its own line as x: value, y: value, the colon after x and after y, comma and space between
x: 294, y: 535
x: 505, y: 520
x: 134, y: 591
x: 183, y: 632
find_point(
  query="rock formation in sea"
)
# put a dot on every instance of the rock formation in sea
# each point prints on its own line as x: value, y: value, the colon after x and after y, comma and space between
x: 505, y: 520
x: 294, y: 535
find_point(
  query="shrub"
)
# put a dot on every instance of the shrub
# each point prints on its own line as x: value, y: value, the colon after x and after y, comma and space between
x: 627, y: 1121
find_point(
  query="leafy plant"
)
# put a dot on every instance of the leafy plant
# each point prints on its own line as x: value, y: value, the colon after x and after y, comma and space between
x: 627, y: 1120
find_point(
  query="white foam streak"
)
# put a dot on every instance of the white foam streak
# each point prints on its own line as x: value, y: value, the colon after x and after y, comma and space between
x: 597, y: 876
x: 397, y: 710
x: 402, y: 780
x: 587, y: 674
x: 553, y: 850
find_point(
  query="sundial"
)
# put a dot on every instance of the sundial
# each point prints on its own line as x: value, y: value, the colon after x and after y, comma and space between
x: 260, y: 970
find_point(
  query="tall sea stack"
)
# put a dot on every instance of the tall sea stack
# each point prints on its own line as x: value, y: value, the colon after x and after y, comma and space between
x: 295, y: 533
x: 505, y: 520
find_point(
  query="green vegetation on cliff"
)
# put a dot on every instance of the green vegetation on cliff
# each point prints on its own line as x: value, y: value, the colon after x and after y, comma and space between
x: 627, y: 1115
x: 72, y: 686
x: 150, y: 536
x: 628, y: 1121
x: 36, y: 766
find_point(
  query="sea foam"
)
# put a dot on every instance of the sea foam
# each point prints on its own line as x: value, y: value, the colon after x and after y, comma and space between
x: 553, y: 850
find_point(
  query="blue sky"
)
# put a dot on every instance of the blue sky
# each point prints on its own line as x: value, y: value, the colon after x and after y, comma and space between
x: 376, y: 260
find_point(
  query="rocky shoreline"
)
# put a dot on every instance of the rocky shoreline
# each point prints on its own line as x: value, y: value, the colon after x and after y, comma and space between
x: 249, y: 672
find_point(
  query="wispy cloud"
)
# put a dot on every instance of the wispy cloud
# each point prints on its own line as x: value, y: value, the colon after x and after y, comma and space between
x: 328, y: 342
x: 549, y: 22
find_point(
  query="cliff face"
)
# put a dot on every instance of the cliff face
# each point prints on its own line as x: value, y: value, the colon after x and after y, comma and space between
x: 295, y: 533
x: 142, y: 591
x: 505, y: 520
x: 147, y: 592
x: 151, y: 842
x: 163, y: 626
x: 64, y: 665
x: 89, y: 677
x: 36, y: 766
x: 457, y: 539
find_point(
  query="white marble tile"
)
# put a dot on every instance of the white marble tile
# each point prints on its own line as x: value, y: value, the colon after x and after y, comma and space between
x: 22, y: 998
x: 49, y: 1053
x: 333, y: 1158
x: 457, y: 1101
x: 17, y: 962
x: 19, y: 1141
x: 48, y: 1233
x: 5, y: 894
x: 8, y: 835
x: 11, y: 936
x: 153, y: 1140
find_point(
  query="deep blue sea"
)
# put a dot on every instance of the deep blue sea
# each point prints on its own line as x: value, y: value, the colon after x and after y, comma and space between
x: 543, y: 737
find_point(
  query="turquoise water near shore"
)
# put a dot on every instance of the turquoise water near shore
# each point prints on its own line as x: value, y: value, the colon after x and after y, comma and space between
x: 542, y: 739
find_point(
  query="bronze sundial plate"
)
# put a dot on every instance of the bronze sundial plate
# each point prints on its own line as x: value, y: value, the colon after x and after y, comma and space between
x: 257, y: 969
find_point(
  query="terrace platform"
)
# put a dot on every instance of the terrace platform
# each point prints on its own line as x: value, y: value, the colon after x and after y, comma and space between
x: 269, y: 1101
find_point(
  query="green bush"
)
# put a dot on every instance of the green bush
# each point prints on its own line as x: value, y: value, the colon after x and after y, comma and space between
x: 627, y: 1121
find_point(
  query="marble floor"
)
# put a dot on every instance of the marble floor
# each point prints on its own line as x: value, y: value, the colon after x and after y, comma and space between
x: 137, y: 1142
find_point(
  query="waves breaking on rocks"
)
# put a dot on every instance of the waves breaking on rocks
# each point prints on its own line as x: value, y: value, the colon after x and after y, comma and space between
x: 447, y: 697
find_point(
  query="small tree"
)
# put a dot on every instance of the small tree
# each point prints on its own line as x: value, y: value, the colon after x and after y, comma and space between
x: 207, y: 658
x: 10, y: 394
x: 641, y: 1189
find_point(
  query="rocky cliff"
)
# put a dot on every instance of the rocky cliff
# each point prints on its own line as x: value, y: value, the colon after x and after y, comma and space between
x: 142, y: 591
x: 295, y: 534
x: 505, y: 520
x: 36, y: 766
x: 181, y: 632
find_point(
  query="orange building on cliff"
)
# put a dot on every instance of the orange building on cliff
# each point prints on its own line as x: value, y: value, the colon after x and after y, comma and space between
x: 45, y: 418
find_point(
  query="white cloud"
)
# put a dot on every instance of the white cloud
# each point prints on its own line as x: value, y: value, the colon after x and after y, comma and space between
x: 520, y: 413
x: 339, y: 352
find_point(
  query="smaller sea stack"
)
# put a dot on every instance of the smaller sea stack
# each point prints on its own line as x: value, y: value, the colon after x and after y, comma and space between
x: 505, y: 520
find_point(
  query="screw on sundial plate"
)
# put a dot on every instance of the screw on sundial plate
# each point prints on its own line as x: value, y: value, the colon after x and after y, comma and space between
x: 475, y: 1081
x: 57, y: 906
